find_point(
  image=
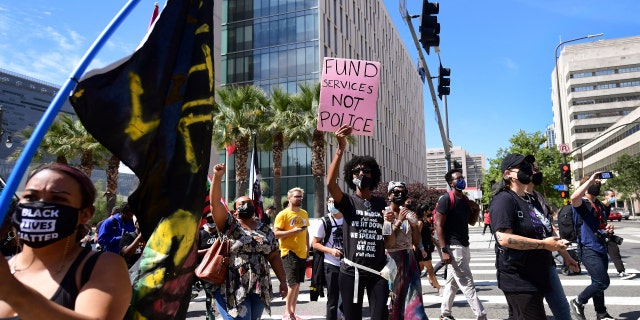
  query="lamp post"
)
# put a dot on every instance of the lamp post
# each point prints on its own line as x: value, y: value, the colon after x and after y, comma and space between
x: 8, y: 143
x: 564, y: 156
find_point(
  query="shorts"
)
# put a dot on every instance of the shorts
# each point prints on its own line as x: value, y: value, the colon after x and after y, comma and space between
x: 294, y: 268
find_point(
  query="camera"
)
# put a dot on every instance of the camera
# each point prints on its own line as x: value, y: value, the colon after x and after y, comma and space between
x: 606, y: 237
x: 605, y: 175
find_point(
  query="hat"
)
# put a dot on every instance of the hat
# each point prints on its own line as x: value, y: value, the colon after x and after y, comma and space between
x: 395, y: 184
x: 511, y: 160
x: 530, y: 159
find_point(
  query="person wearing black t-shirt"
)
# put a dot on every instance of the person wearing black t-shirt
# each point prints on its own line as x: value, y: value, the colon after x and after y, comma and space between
x: 363, y: 239
x: 524, y: 244
x: 208, y: 234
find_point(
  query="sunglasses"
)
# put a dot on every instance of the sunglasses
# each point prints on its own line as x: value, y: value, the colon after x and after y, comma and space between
x: 364, y: 170
x: 399, y: 192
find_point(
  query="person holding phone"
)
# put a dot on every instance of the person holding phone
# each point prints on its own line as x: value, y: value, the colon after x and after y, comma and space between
x: 290, y: 228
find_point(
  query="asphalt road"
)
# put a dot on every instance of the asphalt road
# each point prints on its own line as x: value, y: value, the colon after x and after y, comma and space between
x: 622, y: 297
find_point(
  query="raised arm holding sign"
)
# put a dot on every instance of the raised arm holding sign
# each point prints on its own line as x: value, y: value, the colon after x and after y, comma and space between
x: 349, y: 95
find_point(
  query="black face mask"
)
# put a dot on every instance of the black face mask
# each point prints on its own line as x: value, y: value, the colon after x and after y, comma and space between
x: 525, y: 173
x: 537, y: 178
x: 399, y: 198
x: 42, y: 223
x: 362, y: 182
x: 246, y: 211
x: 594, y: 189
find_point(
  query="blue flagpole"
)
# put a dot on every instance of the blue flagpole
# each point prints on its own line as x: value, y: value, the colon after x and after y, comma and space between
x: 50, y: 114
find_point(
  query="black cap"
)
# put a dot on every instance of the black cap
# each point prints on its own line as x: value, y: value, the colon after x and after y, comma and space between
x: 511, y: 160
x: 530, y: 159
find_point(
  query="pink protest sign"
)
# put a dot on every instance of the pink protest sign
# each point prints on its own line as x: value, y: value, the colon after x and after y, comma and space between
x: 348, y: 95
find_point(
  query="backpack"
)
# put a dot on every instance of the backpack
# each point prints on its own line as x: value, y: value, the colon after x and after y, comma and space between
x: 318, y: 280
x: 566, y: 227
x: 473, y: 215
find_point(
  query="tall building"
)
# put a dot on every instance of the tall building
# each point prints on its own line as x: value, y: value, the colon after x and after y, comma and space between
x: 282, y: 43
x: 551, y: 136
x: 23, y: 101
x: 472, y: 166
x: 599, y: 91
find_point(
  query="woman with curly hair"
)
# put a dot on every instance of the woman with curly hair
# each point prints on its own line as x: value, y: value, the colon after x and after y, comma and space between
x: 364, y: 254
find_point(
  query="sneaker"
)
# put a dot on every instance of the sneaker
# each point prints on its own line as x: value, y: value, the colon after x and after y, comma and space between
x: 605, y: 316
x: 625, y: 276
x: 291, y: 316
x: 447, y: 317
x: 577, y: 309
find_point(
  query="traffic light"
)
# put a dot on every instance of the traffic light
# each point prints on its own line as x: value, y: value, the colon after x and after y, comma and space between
x: 444, y: 82
x: 565, y: 173
x: 429, y: 26
x: 564, y: 194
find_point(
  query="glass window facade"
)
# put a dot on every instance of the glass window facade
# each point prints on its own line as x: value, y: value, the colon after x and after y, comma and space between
x: 271, y: 43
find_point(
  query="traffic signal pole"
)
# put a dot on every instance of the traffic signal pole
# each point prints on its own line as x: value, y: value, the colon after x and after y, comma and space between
x: 446, y: 143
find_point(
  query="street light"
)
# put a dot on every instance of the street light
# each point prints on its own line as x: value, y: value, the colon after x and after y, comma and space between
x: 564, y: 156
x: 8, y: 143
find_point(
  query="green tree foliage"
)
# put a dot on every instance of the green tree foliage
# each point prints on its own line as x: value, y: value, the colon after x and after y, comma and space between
x: 548, y: 160
x: 627, y: 177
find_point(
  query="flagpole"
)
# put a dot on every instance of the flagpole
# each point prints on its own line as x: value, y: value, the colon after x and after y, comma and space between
x: 56, y: 104
x: 226, y: 176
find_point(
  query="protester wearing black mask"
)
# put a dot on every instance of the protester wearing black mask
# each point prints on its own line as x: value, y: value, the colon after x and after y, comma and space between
x: 363, y: 217
x: 523, y: 250
x: 404, y: 236
x: 556, y: 297
x: 247, y: 289
x: 592, y: 246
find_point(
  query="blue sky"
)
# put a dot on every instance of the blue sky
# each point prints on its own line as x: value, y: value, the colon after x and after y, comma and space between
x: 500, y: 52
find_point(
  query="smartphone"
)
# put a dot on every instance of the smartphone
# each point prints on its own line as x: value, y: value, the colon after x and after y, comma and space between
x: 606, y: 175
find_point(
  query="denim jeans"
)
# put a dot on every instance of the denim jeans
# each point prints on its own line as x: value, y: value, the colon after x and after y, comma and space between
x: 251, y: 301
x: 596, y: 264
x: 556, y: 298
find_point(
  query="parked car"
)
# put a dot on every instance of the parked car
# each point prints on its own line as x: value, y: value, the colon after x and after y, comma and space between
x: 615, y: 215
x: 625, y: 213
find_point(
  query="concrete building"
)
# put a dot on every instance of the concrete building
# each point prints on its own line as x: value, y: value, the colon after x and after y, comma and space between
x: 472, y: 169
x: 600, y: 95
x: 599, y: 86
x: 23, y: 101
x: 276, y: 43
x: 551, y: 136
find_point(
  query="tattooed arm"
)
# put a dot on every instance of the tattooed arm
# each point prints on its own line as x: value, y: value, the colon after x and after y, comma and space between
x: 506, y: 238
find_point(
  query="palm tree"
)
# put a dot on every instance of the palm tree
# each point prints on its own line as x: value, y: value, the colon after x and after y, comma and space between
x: 239, y: 110
x: 278, y: 120
x: 306, y: 104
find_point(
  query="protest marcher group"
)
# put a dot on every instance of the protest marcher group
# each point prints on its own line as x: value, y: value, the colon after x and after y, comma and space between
x: 365, y: 244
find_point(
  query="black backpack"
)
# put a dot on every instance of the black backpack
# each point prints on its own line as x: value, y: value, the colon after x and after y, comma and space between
x: 318, y: 281
x: 566, y: 226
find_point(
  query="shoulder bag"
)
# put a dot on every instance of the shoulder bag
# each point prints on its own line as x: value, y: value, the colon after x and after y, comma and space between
x: 215, y: 263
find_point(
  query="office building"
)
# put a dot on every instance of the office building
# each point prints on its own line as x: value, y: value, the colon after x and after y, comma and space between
x: 551, y: 137
x: 472, y: 166
x: 283, y: 43
x: 23, y: 101
x: 599, y: 92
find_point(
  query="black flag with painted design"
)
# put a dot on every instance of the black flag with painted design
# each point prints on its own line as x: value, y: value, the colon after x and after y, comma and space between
x: 153, y: 110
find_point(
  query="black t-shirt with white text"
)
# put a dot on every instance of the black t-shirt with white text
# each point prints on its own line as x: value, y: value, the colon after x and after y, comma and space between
x: 362, y: 232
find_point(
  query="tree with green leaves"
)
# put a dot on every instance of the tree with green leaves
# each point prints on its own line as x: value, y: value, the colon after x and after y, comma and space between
x: 627, y: 177
x: 279, y: 122
x: 237, y: 117
x: 547, y: 158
